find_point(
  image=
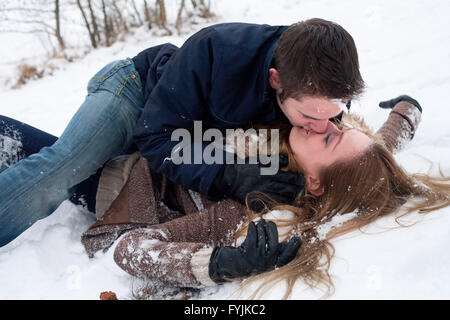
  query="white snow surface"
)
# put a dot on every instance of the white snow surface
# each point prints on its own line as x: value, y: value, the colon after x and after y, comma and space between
x: 403, y: 48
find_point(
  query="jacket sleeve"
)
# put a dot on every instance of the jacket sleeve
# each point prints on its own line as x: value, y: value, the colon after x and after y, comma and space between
x: 179, y: 98
x: 176, y: 253
x: 400, y: 126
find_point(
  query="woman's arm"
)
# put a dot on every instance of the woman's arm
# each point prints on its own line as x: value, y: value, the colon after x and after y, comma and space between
x: 402, y: 122
x: 177, y: 252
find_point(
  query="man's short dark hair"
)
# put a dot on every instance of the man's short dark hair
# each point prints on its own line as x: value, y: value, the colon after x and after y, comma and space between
x: 318, y: 57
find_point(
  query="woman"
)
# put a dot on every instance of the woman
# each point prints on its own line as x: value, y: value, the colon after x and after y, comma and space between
x: 174, y: 251
x: 203, y: 247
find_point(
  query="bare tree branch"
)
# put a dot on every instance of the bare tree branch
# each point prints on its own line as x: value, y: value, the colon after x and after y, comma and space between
x: 106, y: 21
x: 94, y: 22
x: 22, y: 31
x: 162, y: 16
x: 88, y: 27
x: 137, y: 13
x: 38, y: 22
x: 22, y: 9
x: 58, y: 35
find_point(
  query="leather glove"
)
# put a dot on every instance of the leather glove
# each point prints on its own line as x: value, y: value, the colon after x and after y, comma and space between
x: 236, y: 180
x: 389, y: 104
x: 260, y: 252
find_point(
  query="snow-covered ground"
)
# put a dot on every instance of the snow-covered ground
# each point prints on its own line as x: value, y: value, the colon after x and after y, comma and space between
x: 404, y: 48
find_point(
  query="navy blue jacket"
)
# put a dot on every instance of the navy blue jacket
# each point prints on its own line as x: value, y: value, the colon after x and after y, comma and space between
x: 219, y: 76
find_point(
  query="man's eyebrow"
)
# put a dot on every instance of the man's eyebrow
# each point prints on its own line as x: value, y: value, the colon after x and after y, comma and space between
x: 332, y: 119
x: 338, y: 140
x: 309, y: 117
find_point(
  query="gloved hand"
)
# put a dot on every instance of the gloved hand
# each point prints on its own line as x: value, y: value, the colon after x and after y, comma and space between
x: 260, y: 252
x: 389, y: 104
x: 236, y: 180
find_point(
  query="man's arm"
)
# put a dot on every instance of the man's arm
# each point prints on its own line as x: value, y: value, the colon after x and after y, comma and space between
x: 180, y: 98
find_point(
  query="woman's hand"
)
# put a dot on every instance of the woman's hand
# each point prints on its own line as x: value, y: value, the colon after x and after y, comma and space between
x: 390, y: 104
x: 259, y: 252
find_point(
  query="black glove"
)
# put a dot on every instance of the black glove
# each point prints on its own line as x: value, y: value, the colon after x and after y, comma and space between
x: 259, y: 252
x: 389, y: 104
x: 236, y: 180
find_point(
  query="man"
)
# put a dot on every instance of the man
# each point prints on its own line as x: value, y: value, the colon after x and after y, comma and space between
x: 230, y: 75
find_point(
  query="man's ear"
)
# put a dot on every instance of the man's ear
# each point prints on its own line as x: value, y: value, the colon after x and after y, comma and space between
x: 274, y: 79
x: 314, y: 186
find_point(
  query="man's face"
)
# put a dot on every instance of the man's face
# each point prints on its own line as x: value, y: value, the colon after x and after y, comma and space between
x: 311, y: 112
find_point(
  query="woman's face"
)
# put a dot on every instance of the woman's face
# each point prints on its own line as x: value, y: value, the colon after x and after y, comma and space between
x: 314, y: 151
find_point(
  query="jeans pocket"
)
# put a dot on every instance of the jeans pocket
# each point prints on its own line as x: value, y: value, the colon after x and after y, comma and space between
x: 106, y: 72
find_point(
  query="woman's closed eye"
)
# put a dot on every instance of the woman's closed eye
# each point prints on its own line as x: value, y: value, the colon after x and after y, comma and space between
x: 327, y: 139
x: 330, y: 138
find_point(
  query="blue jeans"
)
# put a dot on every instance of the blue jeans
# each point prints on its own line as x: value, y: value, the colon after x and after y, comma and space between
x: 101, y: 129
x: 19, y: 140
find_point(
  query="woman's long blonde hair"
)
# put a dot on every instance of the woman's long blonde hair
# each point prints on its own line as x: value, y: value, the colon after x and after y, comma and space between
x: 357, y: 192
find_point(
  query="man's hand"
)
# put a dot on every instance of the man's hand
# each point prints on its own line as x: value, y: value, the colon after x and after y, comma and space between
x: 237, y: 180
x: 260, y: 252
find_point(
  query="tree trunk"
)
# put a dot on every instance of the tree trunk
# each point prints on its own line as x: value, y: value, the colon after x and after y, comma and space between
x: 148, y: 16
x: 205, y: 9
x: 179, y: 22
x: 58, y: 35
x: 106, y: 27
x: 91, y: 35
x: 123, y: 26
x: 94, y: 22
x: 137, y: 13
x: 162, y: 16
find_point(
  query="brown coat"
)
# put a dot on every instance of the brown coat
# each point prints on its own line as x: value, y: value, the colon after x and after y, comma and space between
x: 170, y: 231
x: 191, y: 221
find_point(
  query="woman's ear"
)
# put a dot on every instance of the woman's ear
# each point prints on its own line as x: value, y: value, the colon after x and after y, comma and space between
x: 314, y: 186
x: 274, y: 79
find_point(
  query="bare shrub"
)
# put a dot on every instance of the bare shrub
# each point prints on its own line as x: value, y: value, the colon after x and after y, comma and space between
x: 27, y: 72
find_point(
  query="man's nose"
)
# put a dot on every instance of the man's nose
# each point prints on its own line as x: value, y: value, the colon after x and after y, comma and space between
x: 332, y: 128
x: 320, y: 126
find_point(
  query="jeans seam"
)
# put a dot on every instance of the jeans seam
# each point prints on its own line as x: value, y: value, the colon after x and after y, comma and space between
x: 122, y: 86
x: 124, y: 83
x: 109, y: 74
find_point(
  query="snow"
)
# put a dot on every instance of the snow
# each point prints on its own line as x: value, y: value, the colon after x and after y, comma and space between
x: 10, y: 148
x: 335, y: 222
x: 403, y: 48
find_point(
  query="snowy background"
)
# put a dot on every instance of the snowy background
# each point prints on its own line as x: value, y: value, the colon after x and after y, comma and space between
x: 404, y: 48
